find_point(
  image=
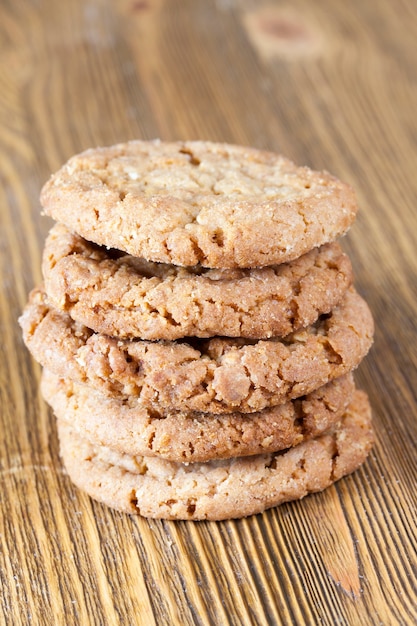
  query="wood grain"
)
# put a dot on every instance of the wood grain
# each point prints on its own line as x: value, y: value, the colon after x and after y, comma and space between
x: 332, y: 85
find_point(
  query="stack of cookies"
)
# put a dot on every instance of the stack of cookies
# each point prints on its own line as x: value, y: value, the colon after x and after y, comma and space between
x: 198, y: 329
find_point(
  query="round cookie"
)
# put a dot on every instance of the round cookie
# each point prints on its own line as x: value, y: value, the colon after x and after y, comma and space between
x: 133, y: 298
x: 218, y: 490
x: 215, y: 375
x: 189, y: 203
x: 190, y: 436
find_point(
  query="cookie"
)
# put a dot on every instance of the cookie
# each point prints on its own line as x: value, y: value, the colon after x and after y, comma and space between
x: 190, y: 203
x: 222, y: 489
x: 191, y: 436
x: 214, y: 375
x: 133, y: 298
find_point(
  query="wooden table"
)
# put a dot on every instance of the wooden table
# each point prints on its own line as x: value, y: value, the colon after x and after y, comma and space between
x: 329, y: 84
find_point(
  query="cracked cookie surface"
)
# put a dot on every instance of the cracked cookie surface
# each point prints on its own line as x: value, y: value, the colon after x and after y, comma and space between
x: 222, y: 489
x: 190, y: 436
x: 190, y: 203
x: 218, y: 375
x: 133, y: 298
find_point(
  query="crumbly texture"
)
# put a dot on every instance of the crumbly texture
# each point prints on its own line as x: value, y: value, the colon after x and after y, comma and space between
x: 215, y: 375
x: 132, y: 298
x: 190, y: 436
x: 222, y: 489
x: 189, y: 203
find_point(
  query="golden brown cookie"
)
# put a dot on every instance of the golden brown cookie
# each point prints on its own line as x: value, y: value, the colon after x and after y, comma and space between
x: 190, y: 436
x: 214, y: 375
x: 130, y: 297
x: 190, y: 203
x: 223, y: 489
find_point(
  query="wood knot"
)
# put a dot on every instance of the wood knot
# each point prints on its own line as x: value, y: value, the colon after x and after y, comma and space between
x: 284, y: 29
x: 278, y: 33
x: 139, y: 5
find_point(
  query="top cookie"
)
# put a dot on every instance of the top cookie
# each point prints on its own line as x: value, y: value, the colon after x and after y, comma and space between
x: 190, y: 203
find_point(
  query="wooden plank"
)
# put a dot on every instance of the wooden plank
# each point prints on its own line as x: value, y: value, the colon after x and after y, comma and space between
x: 332, y: 85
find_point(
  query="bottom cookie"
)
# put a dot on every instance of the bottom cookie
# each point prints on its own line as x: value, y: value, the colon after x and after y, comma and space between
x: 218, y: 490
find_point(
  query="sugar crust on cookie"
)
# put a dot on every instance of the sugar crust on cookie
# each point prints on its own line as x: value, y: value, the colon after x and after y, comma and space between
x: 127, y: 297
x: 189, y: 436
x: 189, y: 203
x: 217, y: 375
